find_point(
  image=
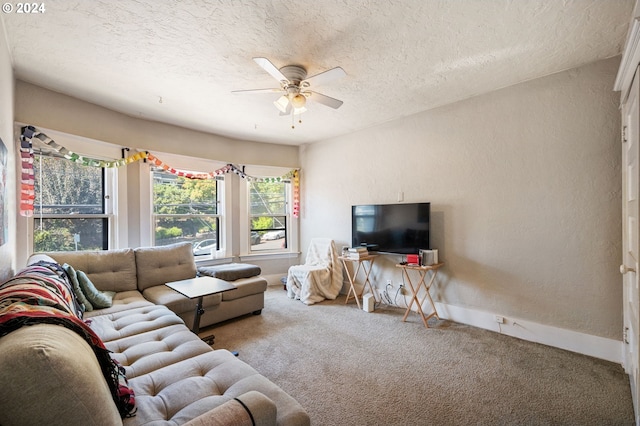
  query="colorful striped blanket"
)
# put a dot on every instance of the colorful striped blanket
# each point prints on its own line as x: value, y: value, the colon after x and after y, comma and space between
x: 42, y: 293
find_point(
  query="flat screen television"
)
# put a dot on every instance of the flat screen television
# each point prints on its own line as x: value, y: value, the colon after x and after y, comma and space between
x: 391, y: 228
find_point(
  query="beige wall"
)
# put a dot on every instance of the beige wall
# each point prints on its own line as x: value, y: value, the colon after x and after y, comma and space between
x: 43, y: 108
x: 7, y: 250
x: 525, y: 190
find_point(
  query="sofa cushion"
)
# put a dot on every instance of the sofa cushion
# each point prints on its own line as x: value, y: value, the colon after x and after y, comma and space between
x: 230, y: 271
x: 109, y: 270
x: 159, y: 265
x: 246, y: 287
x: 132, y: 322
x: 56, y: 367
x: 122, y: 301
x: 145, y: 352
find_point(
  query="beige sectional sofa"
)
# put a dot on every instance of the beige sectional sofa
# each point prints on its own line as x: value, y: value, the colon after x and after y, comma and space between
x: 50, y: 375
x: 156, y: 266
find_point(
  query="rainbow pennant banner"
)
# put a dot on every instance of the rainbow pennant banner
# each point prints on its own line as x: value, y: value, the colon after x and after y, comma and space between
x: 27, y: 184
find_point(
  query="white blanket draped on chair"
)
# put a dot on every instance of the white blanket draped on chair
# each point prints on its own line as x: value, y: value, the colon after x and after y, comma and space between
x: 320, y: 277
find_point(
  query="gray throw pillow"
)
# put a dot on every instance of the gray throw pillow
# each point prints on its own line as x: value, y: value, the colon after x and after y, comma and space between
x: 99, y: 299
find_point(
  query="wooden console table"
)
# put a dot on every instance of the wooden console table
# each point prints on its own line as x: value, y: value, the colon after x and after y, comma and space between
x: 366, y: 263
x: 422, y: 271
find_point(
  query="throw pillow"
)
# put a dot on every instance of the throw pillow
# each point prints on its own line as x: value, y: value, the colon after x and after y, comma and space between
x: 82, y: 299
x: 99, y: 299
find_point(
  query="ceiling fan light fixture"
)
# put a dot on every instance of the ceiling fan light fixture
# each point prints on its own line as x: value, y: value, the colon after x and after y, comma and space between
x: 282, y: 103
x: 298, y: 101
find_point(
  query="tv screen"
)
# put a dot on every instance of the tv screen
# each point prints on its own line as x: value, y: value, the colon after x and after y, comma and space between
x: 391, y: 228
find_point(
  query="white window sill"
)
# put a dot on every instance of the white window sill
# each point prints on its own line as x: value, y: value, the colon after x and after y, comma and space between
x: 252, y: 257
x: 269, y: 256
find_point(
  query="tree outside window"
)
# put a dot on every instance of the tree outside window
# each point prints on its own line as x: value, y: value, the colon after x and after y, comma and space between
x: 186, y: 210
x: 69, y: 206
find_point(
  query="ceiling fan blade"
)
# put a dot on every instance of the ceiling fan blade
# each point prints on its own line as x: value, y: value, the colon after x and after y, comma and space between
x: 271, y: 69
x: 273, y: 90
x: 324, y: 99
x: 325, y: 77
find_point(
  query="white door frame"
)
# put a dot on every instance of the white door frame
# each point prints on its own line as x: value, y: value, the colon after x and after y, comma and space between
x: 631, y: 238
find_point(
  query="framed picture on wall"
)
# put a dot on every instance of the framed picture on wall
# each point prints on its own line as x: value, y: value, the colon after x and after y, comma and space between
x: 4, y: 219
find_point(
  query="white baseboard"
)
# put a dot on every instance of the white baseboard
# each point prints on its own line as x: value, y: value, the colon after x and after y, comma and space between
x: 586, y: 344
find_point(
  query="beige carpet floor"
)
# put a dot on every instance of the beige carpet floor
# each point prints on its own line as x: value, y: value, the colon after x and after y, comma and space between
x: 350, y: 367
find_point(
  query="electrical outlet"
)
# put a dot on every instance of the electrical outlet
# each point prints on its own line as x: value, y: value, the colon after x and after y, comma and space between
x: 390, y: 283
x: 499, y: 319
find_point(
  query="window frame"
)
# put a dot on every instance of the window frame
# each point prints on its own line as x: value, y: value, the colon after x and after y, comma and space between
x: 291, y: 232
x: 109, y: 183
x: 217, y: 217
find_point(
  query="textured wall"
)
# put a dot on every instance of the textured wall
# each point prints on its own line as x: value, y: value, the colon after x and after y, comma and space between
x: 7, y: 250
x: 525, y: 190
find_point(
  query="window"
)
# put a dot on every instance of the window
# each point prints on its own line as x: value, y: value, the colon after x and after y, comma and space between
x: 186, y: 210
x: 268, y: 215
x: 70, y: 211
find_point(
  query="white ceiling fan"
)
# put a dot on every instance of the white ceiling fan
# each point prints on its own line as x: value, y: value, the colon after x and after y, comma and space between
x: 296, y: 87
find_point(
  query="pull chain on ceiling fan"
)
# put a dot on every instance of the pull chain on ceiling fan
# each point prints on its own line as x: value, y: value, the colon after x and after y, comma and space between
x: 295, y: 87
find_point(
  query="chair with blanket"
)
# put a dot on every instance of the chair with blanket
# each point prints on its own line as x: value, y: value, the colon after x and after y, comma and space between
x: 320, y: 277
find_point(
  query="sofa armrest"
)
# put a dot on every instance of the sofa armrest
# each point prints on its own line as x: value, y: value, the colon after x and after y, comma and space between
x: 50, y: 376
x: 251, y: 408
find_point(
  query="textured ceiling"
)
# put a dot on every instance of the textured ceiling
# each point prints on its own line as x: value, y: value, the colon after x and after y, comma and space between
x: 177, y: 62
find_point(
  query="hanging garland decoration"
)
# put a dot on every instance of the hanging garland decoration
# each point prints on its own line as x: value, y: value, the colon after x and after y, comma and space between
x: 293, y: 177
x: 27, y: 181
x: 87, y: 161
x: 27, y: 188
x: 159, y: 163
x: 296, y: 193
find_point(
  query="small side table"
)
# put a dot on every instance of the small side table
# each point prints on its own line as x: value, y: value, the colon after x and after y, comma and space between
x: 197, y: 288
x: 422, y: 271
x: 366, y: 263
